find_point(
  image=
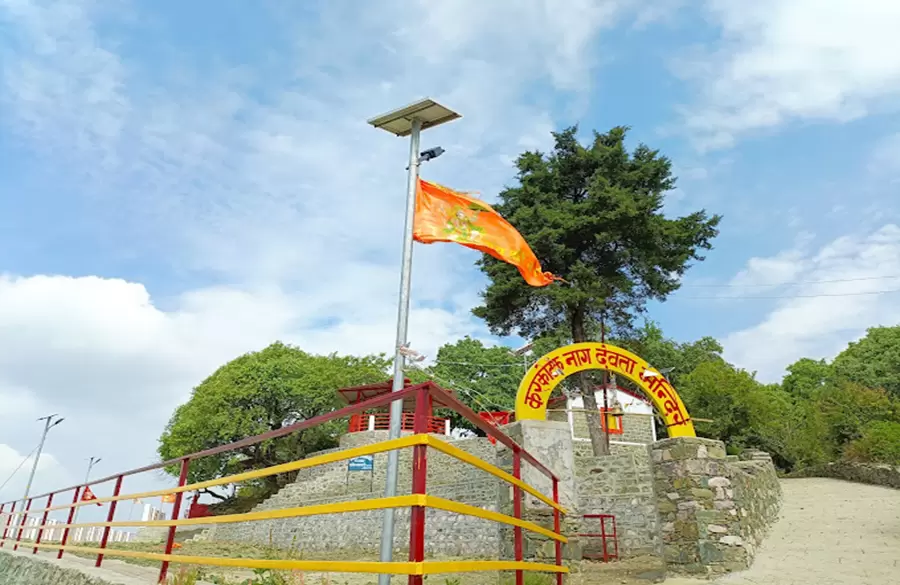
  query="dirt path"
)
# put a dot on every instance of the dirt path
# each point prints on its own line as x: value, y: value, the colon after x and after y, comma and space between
x: 830, y: 532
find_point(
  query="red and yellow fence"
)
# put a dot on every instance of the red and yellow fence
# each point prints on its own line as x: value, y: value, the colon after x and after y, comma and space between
x: 418, y: 501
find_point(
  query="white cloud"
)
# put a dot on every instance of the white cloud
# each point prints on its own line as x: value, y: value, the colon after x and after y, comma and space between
x: 15, y: 468
x: 833, y: 313
x: 781, y: 61
x: 885, y: 159
x: 97, y: 349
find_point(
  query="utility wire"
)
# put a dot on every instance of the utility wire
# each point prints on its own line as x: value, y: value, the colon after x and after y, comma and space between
x: 798, y: 283
x: 853, y: 294
x: 467, y: 391
x: 16, y: 470
x: 518, y: 365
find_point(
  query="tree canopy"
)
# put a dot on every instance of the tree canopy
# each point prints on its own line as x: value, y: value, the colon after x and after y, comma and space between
x: 594, y: 216
x: 873, y: 361
x: 259, y: 392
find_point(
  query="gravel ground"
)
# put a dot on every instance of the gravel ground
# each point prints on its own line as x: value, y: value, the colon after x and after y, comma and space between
x: 831, y: 532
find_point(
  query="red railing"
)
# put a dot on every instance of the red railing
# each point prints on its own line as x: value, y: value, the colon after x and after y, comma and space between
x: 381, y: 421
x: 424, y: 394
x: 606, y: 533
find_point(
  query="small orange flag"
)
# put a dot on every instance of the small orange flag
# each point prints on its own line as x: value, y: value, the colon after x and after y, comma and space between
x: 168, y: 499
x: 444, y: 215
x: 87, y: 495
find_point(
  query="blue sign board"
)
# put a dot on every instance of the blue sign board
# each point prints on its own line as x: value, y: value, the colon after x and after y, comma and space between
x: 364, y: 463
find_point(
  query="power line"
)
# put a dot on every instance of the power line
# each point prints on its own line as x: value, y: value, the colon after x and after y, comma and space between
x: 443, y: 363
x: 468, y: 391
x: 854, y: 294
x: 16, y: 470
x: 797, y: 283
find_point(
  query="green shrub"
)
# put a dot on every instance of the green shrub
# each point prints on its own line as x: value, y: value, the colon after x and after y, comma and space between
x: 879, y: 443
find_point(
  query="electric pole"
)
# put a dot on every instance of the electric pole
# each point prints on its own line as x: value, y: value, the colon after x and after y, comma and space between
x: 49, y: 423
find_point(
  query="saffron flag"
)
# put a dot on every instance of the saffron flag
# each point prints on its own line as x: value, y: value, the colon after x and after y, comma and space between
x: 444, y: 215
x: 87, y: 495
x: 168, y: 499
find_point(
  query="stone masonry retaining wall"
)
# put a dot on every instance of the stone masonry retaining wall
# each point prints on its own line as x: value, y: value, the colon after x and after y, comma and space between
x: 447, y: 534
x: 715, y: 509
x: 883, y: 475
x: 636, y: 428
x: 620, y: 484
x: 17, y: 568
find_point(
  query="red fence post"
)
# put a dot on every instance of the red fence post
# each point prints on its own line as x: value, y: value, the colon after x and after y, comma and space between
x: 517, y: 512
x: 40, y: 533
x: 603, y: 538
x: 9, y: 518
x: 419, y: 478
x: 559, y: 576
x: 615, y: 536
x: 109, y: 518
x: 22, y: 524
x: 176, y: 509
x: 65, y: 536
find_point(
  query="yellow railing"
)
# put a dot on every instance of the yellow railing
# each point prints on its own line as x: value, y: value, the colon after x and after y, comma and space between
x: 415, y: 567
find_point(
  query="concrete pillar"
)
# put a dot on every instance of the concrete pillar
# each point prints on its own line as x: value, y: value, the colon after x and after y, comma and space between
x: 550, y: 442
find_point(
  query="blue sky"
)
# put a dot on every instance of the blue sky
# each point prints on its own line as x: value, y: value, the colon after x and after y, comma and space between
x: 184, y: 182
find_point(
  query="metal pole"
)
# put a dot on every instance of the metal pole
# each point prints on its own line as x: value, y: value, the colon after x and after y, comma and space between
x: 605, y: 422
x: 390, y: 484
x: 37, y: 456
x: 87, y: 476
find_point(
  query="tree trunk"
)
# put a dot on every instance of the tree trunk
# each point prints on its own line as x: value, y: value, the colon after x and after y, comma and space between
x: 591, y: 409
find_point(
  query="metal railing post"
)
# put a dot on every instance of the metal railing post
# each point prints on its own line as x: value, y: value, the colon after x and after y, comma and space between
x: 615, y: 537
x: 176, y: 509
x: 559, y: 576
x: 22, y: 524
x: 109, y: 518
x: 517, y: 512
x: 12, y: 511
x: 40, y: 533
x: 65, y: 536
x: 603, y: 538
x: 419, y: 479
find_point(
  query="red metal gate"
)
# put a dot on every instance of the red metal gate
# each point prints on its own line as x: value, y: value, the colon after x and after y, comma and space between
x: 606, y: 533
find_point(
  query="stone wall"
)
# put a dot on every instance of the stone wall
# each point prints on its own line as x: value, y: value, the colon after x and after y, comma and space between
x: 636, y: 428
x: 358, y: 533
x: 714, y: 509
x: 620, y: 484
x: 551, y: 443
x: 17, y: 568
x: 875, y: 474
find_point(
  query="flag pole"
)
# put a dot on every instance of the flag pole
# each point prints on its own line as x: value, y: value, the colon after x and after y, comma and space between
x: 390, y: 486
x: 407, y: 121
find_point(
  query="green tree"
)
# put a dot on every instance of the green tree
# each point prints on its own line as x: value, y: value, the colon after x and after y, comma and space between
x: 806, y: 377
x: 879, y: 443
x: 485, y: 378
x: 873, y: 361
x: 260, y: 392
x: 676, y: 359
x: 849, y: 408
x: 593, y: 215
x: 743, y: 413
x: 721, y: 393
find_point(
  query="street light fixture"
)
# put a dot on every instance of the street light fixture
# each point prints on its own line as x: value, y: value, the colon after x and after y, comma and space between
x: 87, y: 476
x: 49, y: 423
x: 524, y: 351
x: 407, y: 121
x: 91, y: 463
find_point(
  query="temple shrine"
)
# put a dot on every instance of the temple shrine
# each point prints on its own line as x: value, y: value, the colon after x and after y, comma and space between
x: 379, y: 419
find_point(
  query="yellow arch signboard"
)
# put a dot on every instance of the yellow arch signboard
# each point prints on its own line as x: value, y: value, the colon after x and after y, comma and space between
x: 553, y: 368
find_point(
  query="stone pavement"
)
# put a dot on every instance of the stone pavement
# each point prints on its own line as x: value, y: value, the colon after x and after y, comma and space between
x: 831, y: 532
